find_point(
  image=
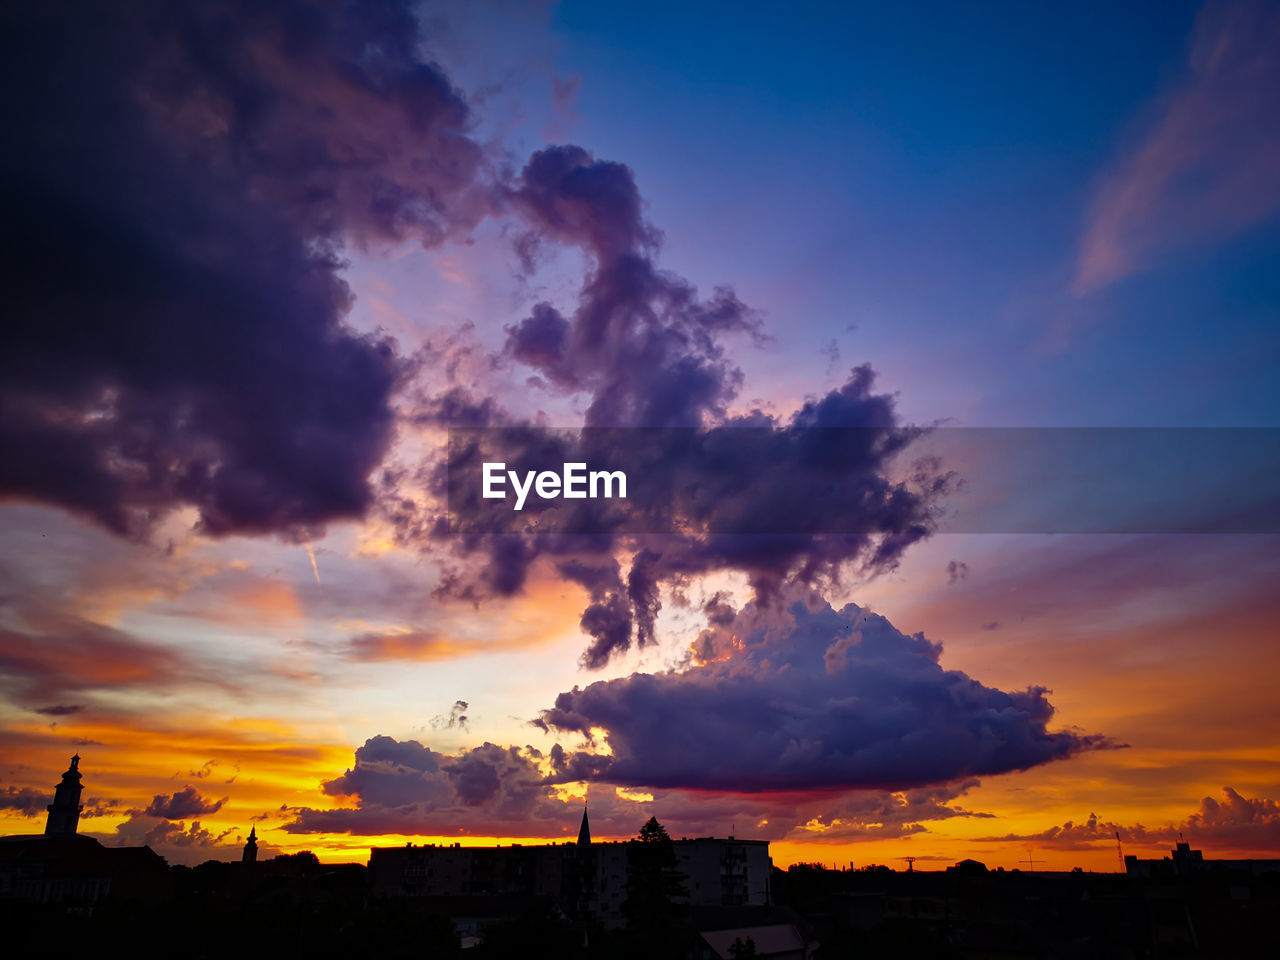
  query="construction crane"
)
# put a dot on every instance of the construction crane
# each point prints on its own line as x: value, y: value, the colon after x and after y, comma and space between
x: 1031, y: 862
x: 1120, y: 853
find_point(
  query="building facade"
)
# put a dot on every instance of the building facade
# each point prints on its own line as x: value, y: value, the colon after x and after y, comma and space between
x: 65, y: 867
x: 1186, y: 862
x: 588, y: 879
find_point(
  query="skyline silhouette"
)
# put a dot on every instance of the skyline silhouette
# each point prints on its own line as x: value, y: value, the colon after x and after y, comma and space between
x: 937, y: 348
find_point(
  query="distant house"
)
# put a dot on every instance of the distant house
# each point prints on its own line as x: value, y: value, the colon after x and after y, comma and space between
x: 779, y: 941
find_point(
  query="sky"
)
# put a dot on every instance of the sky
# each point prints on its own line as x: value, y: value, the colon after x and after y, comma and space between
x: 261, y: 257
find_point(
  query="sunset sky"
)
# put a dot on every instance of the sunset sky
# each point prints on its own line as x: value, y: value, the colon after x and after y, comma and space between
x: 260, y: 257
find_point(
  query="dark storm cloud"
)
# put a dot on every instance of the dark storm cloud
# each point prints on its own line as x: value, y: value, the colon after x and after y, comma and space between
x: 403, y: 787
x: 180, y: 184
x: 24, y: 800
x: 61, y: 709
x: 178, y: 181
x: 648, y: 352
x: 94, y: 807
x: 813, y: 699
x: 182, y: 804
x: 754, y: 493
x: 640, y: 341
x: 187, y: 843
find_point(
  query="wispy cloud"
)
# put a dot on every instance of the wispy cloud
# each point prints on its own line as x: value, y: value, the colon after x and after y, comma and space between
x: 1209, y: 165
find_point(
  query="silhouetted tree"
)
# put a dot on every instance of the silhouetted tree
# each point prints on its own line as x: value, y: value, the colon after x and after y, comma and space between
x: 654, y: 882
x: 653, y: 832
x: 741, y: 949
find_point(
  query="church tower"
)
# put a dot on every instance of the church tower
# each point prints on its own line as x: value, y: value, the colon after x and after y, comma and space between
x: 250, y: 854
x: 64, y: 812
x: 584, y: 871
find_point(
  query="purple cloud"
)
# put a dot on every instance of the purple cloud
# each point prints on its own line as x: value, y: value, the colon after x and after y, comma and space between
x: 403, y: 787
x: 1209, y: 164
x: 24, y: 800
x: 808, y: 699
x: 178, y: 197
x: 1233, y: 822
x: 61, y: 709
x: 645, y: 350
x: 182, y: 804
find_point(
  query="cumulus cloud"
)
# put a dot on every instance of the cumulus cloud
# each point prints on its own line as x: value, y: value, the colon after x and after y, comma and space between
x: 808, y: 698
x: 782, y: 502
x: 97, y: 807
x: 641, y: 348
x: 802, y: 722
x: 405, y: 788
x: 181, y: 842
x: 30, y: 802
x: 785, y: 502
x: 1235, y: 818
x: 177, y: 203
x: 1079, y: 835
x: 182, y: 804
x: 24, y: 800
x: 1231, y: 822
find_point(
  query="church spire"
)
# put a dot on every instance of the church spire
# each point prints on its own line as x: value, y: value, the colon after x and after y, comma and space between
x: 250, y: 854
x: 64, y: 812
x: 584, y: 831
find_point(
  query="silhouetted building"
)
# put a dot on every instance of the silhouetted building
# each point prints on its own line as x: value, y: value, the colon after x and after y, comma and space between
x: 979, y: 913
x: 79, y: 871
x: 1186, y: 862
x: 64, y: 867
x: 588, y: 879
x: 725, y: 872
x: 579, y: 891
x: 250, y: 854
x: 64, y: 812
